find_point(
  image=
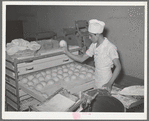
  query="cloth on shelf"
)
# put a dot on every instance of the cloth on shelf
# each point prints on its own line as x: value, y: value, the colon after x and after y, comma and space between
x: 20, y: 45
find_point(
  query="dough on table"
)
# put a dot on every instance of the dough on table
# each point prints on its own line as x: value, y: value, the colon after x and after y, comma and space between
x: 60, y: 76
x: 31, y: 87
x: 83, y: 72
x: 93, y: 76
x: 82, y: 76
x: 54, y: 69
x: 50, y: 82
x: 48, y: 71
x: 43, y: 83
x: 72, y: 64
x: 30, y: 77
x: 48, y: 77
x: 54, y: 74
x: 73, y: 77
x: 67, y: 79
x: 24, y: 80
x: 41, y: 78
x: 39, y: 86
x: 43, y: 73
x: 56, y: 79
x: 20, y: 77
x: 89, y: 74
x: 76, y: 73
x: 60, y: 72
x: 64, y: 66
x: 65, y: 74
x: 70, y: 72
x: 72, y: 68
x: 30, y: 83
x: 38, y: 75
x: 59, y: 68
x: 35, y: 81
x: 68, y: 65
x: 76, y: 70
x: 83, y: 69
x: 79, y: 66
x: 65, y: 70
x: 91, y: 70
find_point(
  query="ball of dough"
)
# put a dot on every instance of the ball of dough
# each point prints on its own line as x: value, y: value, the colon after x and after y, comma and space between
x: 64, y: 66
x: 62, y: 43
x: 79, y: 66
x: 48, y: 77
x: 48, y: 71
x: 50, y: 82
x: 56, y: 79
x: 31, y: 87
x: 70, y: 72
x: 93, y: 77
x: 43, y: 83
x: 89, y: 75
x: 20, y: 77
x: 30, y: 77
x: 30, y: 83
x: 54, y: 74
x: 82, y: 76
x: 35, y: 81
x: 83, y: 72
x: 59, y: 68
x: 65, y: 74
x: 73, y: 77
x: 38, y: 75
x: 83, y: 69
x: 60, y: 76
x: 54, y: 69
x: 68, y: 65
x: 72, y: 64
x: 76, y: 73
x: 60, y: 72
x: 91, y: 70
x: 41, y: 78
x: 65, y: 70
x: 76, y: 70
x: 43, y: 73
x: 72, y: 68
x: 67, y: 79
x: 24, y: 80
x: 39, y: 87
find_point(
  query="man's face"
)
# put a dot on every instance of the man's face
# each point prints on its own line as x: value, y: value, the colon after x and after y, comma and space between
x: 93, y: 37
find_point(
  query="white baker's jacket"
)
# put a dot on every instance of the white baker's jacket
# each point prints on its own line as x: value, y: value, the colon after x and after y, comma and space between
x: 103, y: 56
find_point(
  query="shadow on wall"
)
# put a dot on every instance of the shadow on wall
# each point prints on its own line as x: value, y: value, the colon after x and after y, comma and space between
x: 105, y: 32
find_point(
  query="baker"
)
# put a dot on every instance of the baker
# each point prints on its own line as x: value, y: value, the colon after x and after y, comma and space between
x: 105, y: 56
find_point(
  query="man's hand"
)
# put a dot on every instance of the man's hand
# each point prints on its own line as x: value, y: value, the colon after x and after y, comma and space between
x: 107, y: 86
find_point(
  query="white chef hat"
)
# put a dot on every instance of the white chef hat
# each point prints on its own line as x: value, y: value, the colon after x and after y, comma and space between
x: 96, y: 26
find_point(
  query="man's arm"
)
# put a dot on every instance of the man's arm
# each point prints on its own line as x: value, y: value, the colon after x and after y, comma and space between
x: 79, y: 58
x: 115, y: 74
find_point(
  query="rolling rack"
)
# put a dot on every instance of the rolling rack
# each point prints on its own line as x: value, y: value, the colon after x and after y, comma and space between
x: 16, y: 67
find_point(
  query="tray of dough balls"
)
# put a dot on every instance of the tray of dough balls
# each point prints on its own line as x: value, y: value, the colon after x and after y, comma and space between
x: 74, y: 77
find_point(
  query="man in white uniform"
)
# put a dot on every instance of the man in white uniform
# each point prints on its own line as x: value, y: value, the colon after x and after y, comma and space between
x: 105, y: 56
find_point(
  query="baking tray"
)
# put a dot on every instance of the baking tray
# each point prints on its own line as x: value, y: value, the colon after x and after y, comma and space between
x: 74, y: 86
x: 63, y: 94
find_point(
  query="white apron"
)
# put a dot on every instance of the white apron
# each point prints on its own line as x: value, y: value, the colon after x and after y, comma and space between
x: 103, y: 56
x: 102, y: 76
